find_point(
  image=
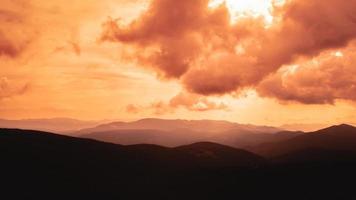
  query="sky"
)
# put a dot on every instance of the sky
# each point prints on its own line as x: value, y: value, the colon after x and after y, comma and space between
x: 268, y: 62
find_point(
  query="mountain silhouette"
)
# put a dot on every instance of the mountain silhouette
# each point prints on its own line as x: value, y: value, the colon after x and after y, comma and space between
x: 51, y: 162
x: 49, y: 142
x: 335, y: 138
x: 212, y: 154
x: 43, y: 165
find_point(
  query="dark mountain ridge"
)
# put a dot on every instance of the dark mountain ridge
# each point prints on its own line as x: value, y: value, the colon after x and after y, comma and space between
x: 335, y: 138
x: 47, y: 166
x: 26, y: 141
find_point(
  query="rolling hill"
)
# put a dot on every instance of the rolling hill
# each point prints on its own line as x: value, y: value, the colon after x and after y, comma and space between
x: 43, y: 165
x: 27, y: 142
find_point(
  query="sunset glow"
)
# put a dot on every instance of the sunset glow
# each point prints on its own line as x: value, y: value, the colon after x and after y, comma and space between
x: 178, y: 99
x: 241, y: 8
x: 232, y: 60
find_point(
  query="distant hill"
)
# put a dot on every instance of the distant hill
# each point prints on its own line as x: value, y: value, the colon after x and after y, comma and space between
x: 59, y: 125
x: 143, y: 136
x: 334, y: 138
x: 181, y: 132
x: 171, y: 125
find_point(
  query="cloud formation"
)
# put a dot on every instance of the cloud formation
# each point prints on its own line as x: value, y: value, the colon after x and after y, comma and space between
x: 14, y: 32
x: 174, y: 33
x: 194, y: 102
x: 7, y: 90
x: 199, y: 46
x: 185, y: 100
x: 131, y: 108
x: 322, y: 80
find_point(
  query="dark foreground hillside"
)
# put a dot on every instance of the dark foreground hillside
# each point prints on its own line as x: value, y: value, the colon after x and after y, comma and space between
x: 38, y: 165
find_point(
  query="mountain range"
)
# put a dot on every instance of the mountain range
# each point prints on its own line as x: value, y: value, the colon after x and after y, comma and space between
x: 340, y: 138
x: 57, y: 125
x: 172, y: 133
x: 42, y: 165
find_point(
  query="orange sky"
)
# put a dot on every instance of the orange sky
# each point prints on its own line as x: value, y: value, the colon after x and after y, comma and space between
x: 261, y: 61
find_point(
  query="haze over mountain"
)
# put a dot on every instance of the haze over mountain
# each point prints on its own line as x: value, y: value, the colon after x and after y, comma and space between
x: 59, y: 125
x: 180, y: 132
x: 169, y: 125
x: 303, y: 127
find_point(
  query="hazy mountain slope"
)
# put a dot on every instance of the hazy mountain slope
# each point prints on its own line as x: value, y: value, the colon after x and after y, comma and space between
x: 339, y: 138
x: 303, y: 127
x: 142, y: 136
x: 169, y: 125
x: 54, y: 125
x: 181, y: 132
x: 234, y: 138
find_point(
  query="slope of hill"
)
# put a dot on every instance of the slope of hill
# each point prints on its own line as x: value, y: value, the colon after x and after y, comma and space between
x: 181, y: 132
x: 213, y: 154
x: 58, y: 125
x: 48, y: 143
x: 251, y: 139
x: 335, y: 138
x: 143, y: 136
x: 303, y: 127
x: 56, y: 166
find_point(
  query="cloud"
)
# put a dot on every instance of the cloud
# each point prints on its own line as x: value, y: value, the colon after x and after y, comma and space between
x: 131, y: 108
x: 194, y: 102
x: 41, y: 27
x: 71, y: 46
x: 306, y: 28
x: 172, y: 32
x: 160, y: 108
x: 7, y: 90
x: 322, y: 80
x: 14, y: 34
x: 7, y: 48
x: 199, y: 46
x: 185, y: 100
